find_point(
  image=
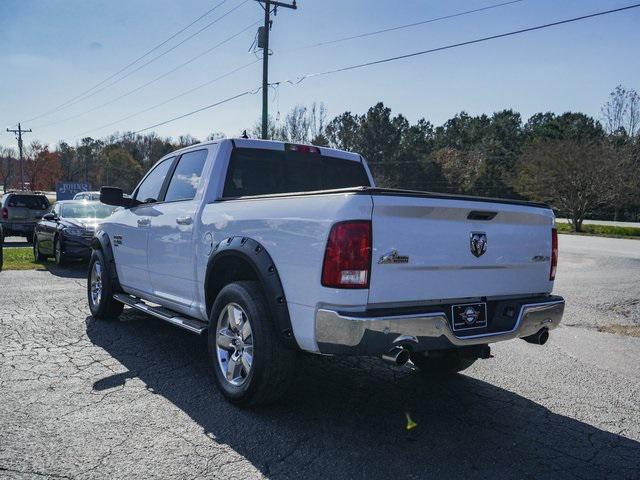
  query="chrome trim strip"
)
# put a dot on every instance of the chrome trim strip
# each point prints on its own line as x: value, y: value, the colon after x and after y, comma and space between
x: 349, y: 331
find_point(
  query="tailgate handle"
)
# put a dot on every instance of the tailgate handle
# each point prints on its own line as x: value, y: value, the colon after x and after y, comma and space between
x: 481, y: 215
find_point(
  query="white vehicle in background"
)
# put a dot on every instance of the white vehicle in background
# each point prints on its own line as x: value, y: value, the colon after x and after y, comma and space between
x: 272, y: 248
x: 87, y: 196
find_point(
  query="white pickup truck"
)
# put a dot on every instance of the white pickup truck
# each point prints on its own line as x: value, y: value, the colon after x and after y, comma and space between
x: 272, y: 248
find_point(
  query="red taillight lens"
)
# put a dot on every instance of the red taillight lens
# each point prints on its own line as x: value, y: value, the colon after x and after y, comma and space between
x: 5, y: 213
x: 554, y: 254
x: 347, y: 259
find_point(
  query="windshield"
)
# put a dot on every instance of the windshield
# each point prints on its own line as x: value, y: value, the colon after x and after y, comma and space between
x: 86, y: 210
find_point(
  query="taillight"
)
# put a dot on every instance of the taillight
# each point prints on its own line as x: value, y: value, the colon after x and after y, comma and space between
x: 347, y: 259
x: 292, y: 147
x: 5, y: 213
x: 554, y: 254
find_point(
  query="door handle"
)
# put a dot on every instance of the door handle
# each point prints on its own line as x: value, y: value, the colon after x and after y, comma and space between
x: 144, y: 222
x: 184, y: 220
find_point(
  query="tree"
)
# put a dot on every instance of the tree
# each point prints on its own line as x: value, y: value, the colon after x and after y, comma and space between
x: 88, y: 153
x: 573, y: 176
x: 7, y: 163
x: 568, y: 126
x: 621, y: 113
x: 42, y: 167
x: 118, y: 168
x: 461, y: 168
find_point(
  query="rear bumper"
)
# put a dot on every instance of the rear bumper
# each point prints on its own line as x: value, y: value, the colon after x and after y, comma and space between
x: 352, y: 334
x: 20, y: 228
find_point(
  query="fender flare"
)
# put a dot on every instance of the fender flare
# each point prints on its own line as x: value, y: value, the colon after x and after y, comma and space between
x: 254, y: 254
x: 101, y: 242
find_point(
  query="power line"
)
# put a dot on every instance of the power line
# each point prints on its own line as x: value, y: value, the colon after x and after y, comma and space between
x: 193, y: 112
x: 455, y: 45
x: 159, y: 77
x: 191, y: 90
x: 92, y: 91
x: 390, y: 59
x: 401, y: 27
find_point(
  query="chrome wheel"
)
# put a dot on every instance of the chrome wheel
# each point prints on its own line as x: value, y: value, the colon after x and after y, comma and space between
x: 96, y: 283
x: 234, y: 344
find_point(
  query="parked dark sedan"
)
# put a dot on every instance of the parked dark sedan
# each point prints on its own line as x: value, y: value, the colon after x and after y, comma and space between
x: 67, y: 230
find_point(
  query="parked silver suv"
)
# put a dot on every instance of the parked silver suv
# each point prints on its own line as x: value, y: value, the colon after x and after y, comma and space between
x: 20, y: 211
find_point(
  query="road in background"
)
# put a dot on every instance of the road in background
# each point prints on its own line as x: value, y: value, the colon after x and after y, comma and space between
x: 603, y: 222
x: 600, y: 278
x: 81, y: 398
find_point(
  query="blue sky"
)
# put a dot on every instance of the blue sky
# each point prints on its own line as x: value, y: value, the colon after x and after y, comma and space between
x: 55, y: 49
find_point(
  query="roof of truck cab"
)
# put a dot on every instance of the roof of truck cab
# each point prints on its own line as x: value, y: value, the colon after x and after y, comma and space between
x: 269, y: 145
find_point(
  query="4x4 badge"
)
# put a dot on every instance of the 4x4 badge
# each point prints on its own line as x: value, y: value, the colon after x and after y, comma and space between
x: 478, y: 243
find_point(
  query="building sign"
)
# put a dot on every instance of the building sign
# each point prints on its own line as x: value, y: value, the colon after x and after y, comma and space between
x: 67, y: 190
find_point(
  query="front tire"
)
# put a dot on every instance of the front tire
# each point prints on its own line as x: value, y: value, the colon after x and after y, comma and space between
x: 251, y: 366
x: 100, y: 289
x: 37, y: 256
x: 447, y: 362
x: 57, y: 252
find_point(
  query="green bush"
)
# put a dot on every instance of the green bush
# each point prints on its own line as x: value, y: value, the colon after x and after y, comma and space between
x: 605, y: 230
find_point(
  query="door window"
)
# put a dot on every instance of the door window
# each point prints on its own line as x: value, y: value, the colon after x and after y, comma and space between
x: 149, y: 189
x: 186, y: 178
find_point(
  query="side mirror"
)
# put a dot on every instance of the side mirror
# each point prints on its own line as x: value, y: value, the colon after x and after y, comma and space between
x: 114, y: 196
x: 49, y: 216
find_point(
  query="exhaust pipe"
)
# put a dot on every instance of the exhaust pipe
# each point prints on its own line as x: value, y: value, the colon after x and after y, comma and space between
x: 397, y: 356
x: 539, y: 338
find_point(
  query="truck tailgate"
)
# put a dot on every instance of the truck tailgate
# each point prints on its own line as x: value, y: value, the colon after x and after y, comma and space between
x: 435, y: 233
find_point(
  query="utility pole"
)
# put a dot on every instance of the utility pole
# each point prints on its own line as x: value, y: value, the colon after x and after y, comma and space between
x: 263, y: 42
x: 19, y: 133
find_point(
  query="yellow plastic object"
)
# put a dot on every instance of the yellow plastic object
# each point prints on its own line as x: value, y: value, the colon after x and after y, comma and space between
x: 410, y: 423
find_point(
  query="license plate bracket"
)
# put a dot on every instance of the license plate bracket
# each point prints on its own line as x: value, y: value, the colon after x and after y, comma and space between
x: 468, y: 316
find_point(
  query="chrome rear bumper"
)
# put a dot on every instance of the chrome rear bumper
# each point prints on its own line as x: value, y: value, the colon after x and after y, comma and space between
x: 341, y: 333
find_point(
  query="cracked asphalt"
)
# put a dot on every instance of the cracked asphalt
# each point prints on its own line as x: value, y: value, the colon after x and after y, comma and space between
x: 133, y: 398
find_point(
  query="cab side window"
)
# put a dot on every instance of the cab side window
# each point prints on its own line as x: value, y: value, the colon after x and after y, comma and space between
x: 186, y: 177
x: 149, y: 190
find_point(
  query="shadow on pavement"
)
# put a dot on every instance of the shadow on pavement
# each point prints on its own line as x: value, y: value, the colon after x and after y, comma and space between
x: 345, y: 417
x: 76, y: 269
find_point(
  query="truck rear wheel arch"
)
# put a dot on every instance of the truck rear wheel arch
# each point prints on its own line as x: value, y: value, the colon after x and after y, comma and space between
x: 242, y: 258
x: 101, y: 242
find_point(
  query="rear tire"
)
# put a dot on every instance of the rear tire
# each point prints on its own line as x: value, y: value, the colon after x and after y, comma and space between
x: 447, y: 362
x: 251, y: 366
x: 100, y: 289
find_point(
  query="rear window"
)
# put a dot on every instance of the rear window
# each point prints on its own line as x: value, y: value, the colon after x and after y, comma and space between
x: 261, y: 172
x: 32, y: 202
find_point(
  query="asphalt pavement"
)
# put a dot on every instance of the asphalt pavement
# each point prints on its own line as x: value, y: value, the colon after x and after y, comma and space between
x: 81, y: 398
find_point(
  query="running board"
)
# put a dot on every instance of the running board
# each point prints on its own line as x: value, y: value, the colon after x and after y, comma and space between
x: 191, y: 324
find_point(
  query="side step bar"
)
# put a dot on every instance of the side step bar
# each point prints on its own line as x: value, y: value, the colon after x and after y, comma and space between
x: 191, y: 324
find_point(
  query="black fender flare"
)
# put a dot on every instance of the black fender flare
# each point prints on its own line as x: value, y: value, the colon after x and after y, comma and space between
x: 254, y: 254
x: 102, y: 242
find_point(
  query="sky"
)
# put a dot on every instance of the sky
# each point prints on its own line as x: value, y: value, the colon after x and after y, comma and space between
x: 52, y: 51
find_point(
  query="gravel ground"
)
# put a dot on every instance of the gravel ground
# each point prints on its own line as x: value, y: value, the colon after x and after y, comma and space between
x: 133, y: 398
